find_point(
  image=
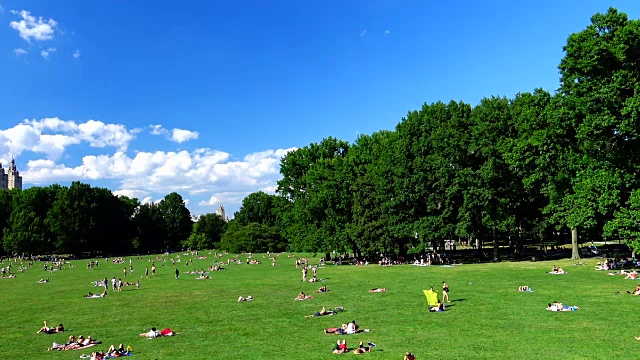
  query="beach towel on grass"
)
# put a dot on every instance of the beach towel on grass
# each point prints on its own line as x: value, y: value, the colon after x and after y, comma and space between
x: 305, y: 298
x: 432, y: 297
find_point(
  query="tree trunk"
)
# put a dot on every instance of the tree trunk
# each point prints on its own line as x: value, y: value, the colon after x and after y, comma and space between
x: 575, y: 254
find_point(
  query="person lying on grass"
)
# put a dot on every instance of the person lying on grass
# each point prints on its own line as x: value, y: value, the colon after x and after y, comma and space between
x: 322, y: 312
x: 376, y: 290
x: 631, y: 275
x: 92, y: 295
x: 409, y: 356
x: 43, y: 281
x: 154, y: 333
x: 557, y: 270
x: 558, y: 306
x: 363, y: 349
x: 50, y: 330
x: 248, y: 298
x: 74, y: 345
x: 345, y: 329
x: 322, y: 289
x: 525, y: 289
x: 119, y: 351
x: 111, y: 353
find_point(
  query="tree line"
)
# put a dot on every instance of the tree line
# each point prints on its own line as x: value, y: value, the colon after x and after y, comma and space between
x: 538, y: 167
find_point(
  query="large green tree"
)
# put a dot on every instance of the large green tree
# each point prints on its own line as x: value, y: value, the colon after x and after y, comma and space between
x: 177, y: 220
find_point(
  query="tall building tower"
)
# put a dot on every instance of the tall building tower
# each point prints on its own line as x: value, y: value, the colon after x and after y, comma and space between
x: 14, y: 180
x: 4, y: 182
x: 220, y: 212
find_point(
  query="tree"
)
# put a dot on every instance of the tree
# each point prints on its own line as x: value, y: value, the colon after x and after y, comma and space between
x: 27, y: 231
x: 5, y: 212
x: 599, y: 105
x: 258, y: 207
x: 252, y: 237
x: 207, y: 232
x: 177, y: 220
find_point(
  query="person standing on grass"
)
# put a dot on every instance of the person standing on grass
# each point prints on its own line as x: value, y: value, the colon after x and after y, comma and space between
x: 177, y: 274
x: 124, y: 271
x: 313, y: 269
x: 304, y: 273
x: 153, y: 269
x: 445, y: 292
x: 146, y: 272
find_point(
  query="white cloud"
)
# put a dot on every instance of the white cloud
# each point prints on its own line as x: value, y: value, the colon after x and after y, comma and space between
x: 177, y: 135
x: 180, y: 136
x: 201, y: 173
x: 387, y: 32
x: 138, y: 194
x: 76, y: 54
x: 1, y: 9
x: 19, y: 51
x: 158, y: 130
x: 52, y: 136
x: 45, y: 53
x: 363, y: 33
x: 29, y: 27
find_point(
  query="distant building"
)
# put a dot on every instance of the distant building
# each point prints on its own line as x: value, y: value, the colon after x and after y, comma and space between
x: 221, y: 213
x: 11, y: 179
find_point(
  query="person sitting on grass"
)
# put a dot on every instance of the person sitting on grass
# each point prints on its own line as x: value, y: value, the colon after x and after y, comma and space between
x: 377, y: 290
x: 322, y: 312
x: 557, y: 270
x: 340, y: 348
x: 301, y: 296
x: 437, y: 308
x: 322, y: 289
x: 632, y: 275
x: 50, y: 330
x: 363, y: 349
x: 43, y: 281
x: 409, y: 356
x: 636, y: 291
x: 525, y: 289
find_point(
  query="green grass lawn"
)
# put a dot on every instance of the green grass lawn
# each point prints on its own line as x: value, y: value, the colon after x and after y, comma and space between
x: 488, y: 318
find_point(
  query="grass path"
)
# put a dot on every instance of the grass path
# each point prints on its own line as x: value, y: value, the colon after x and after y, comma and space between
x: 488, y: 318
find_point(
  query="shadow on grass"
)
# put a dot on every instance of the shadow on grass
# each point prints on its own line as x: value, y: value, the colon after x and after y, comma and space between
x: 457, y: 300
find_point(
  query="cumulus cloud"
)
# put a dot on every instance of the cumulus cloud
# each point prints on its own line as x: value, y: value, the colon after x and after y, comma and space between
x: 52, y: 136
x: 387, y: 32
x: 19, y: 51
x: 32, y: 28
x: 45, y: 53
x: 175, y: 135
x: 201, y: 173
x: 138, y: 194
x: 76, y: 54
x: 180, y: 136
x: 363, y: 32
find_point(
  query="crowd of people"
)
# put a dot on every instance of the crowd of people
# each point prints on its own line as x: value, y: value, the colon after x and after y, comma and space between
x: 345, y: 329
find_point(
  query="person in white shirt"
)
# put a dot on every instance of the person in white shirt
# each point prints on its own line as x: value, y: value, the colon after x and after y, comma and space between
x: 151, y: 334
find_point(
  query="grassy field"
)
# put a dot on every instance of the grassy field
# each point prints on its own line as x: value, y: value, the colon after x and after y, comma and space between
x: 488, y: 318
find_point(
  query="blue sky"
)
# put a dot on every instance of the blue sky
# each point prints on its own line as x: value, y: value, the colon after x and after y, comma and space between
x: 203, y: 97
